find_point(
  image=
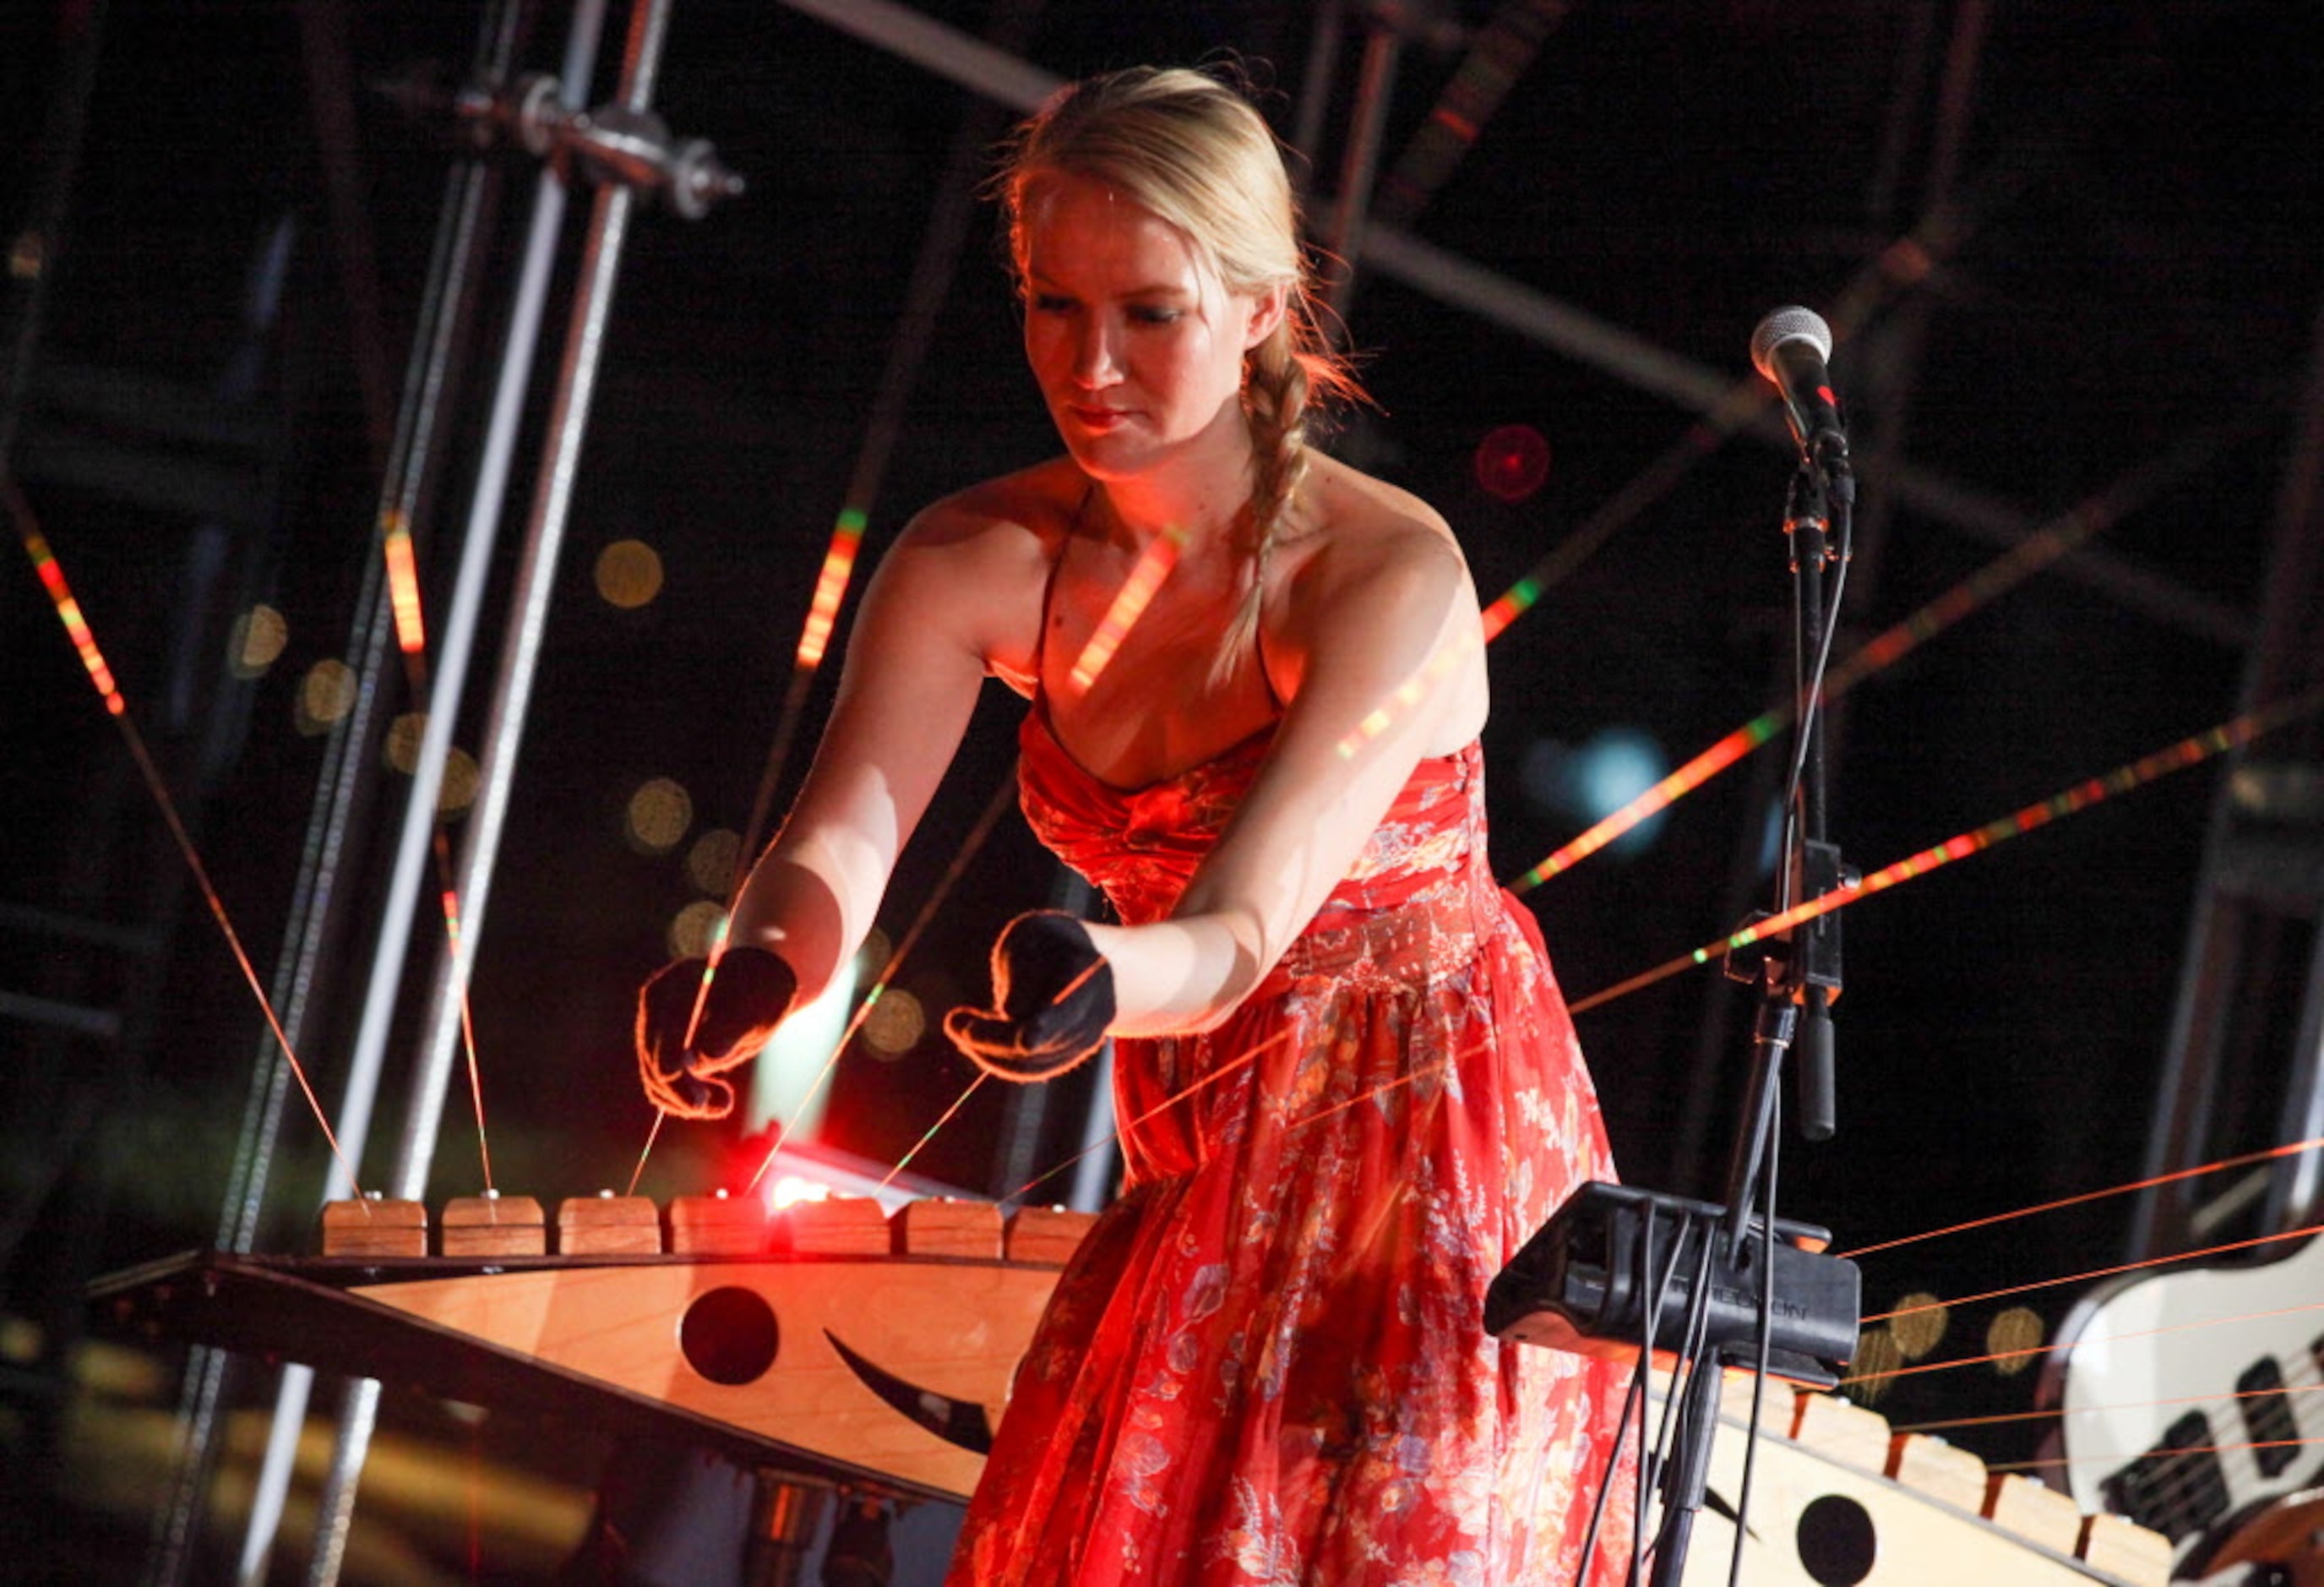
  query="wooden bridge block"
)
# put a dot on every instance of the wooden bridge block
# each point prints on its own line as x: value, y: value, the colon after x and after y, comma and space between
x: 2120, y: 1546
x: 1845, y: 1432
x: 374, y: 1226
x: 1045, y: 1235
x: 717, y: 1225
x: 1937, y: 1469
x: 608, y: 1225
x: 841, y: 1226
x: 1778, y: 1413
x: 494, y: 1225
x: 940, y: 1226
x: 2040, y: 1515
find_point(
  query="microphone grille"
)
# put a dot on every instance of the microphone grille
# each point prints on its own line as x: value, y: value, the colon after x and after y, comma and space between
x: 1794, y: 324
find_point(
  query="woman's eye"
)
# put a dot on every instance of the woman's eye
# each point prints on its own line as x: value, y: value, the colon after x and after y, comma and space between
x: 1050, y: 303
x: 1155, y: 316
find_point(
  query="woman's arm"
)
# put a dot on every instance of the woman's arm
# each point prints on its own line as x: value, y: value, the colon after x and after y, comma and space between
x: 958, y: 587
x: 1385, y: 632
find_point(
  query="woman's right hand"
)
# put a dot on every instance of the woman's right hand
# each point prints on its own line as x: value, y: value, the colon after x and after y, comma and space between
x: 749, y: 992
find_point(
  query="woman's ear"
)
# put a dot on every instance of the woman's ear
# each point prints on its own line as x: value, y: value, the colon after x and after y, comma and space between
x: 1267, y: 309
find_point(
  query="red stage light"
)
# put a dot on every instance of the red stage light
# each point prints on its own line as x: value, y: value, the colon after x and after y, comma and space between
x: 1512, y: 462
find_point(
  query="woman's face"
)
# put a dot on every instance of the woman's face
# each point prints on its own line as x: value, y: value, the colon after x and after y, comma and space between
x: 1137, y: 345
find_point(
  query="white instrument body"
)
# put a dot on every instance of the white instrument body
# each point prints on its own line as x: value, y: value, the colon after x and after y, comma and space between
x: 2186, y: 1397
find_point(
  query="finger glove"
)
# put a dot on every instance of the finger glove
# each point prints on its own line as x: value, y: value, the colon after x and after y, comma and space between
x: 1053, y: 993
x: 749, y: 991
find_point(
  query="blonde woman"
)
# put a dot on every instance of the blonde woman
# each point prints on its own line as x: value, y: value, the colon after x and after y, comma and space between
x: 1267, y: 1362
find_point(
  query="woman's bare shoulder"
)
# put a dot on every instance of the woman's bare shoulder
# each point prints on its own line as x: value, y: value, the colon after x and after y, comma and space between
x: 1363, y: 527
x: 1029, y: 509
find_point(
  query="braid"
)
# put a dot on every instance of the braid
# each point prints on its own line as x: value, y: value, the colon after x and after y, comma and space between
x: 1274, y: 401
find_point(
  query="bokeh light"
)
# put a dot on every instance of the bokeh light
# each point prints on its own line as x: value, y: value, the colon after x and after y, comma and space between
x: 656, y: 816
x: 693, y: 929
x: 710, y: 860
x: 1512, y: 462
x: 1589, y: 782
x: 1920, y: 1325
x: 461, y: 778
x: 628, y: 574
x: 895, y: 1024
x: 2014, y: 1336
x: 401, y: 750
x: 257, y: 641
x: 326, y: 695
x: 1877, y: 1356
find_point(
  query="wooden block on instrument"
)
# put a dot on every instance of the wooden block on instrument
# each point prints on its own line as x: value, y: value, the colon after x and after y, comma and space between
x: 941, y: 1226
x: 2120, y: 1546
x: 374, y: 1226
x: 840, y: 1226
x: 717, y: 1225
x: 1933, y: 1467
x: 494, y: 1225
x: 1777, y: 1413
x: 608, y: 1225
x: 1842, y: 1430
x: 2040, y: 1515
x: 1045, y: 1235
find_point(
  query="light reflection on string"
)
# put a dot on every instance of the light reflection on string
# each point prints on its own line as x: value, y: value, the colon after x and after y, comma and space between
x: 1241, y: 1061
x: 831, y: 587
x: 2055, y: 1346
x: 402, y: 583
x: 2244, y: 1161
x: 2060, y: 1412
x: 1004, y: 797
x: 2094, y: 1274
x: 2046, y: 547
x: 2188, y: 751
x: 69, y: 612
x: 1154, y: 564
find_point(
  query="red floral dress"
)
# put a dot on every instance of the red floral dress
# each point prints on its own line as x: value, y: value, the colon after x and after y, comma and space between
x: 1266, y: 1366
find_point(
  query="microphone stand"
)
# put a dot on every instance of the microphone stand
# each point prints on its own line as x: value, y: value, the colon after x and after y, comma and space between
x: 1590, y: 1280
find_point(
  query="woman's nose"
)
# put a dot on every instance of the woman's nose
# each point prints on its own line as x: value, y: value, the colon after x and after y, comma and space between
x: 1095, y: 363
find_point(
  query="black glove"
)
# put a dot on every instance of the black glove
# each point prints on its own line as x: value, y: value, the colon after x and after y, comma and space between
x: 749, y: 995
x: 1056, y: 996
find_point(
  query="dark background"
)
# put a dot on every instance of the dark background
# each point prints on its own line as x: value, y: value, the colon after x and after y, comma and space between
x: 2129, y: 266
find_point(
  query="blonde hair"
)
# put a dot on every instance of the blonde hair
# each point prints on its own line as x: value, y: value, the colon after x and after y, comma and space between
x: 1197, y: 153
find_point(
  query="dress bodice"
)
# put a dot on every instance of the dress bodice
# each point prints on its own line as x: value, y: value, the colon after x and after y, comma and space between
x: 1424, y: 864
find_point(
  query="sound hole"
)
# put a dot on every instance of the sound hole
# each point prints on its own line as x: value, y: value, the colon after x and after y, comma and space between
x: 1835, y: 1541
x: 729, y: 1336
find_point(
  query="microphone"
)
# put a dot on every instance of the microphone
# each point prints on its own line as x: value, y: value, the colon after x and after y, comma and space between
x: 1789, y: 348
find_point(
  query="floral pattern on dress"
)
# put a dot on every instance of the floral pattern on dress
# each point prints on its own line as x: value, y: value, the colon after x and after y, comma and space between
x: 1267, y: 1365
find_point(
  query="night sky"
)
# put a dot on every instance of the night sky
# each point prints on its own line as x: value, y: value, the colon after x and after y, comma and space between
x: 2129, y: 266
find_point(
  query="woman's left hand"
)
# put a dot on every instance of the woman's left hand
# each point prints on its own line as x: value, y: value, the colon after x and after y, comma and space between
x: 1053, y: 993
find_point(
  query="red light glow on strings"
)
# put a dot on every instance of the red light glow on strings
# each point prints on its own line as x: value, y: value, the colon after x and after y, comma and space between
x: 1705, y: 766
x: 52, y: 577
x: 1241, y: 1061
x: 958, y: 1104
x: 2272, y: 1154
x: 77, y: 629
x: 2069, y: 531
x: 831, y: 587
x: 2118, y: 1269
x: 2090, y: 1277
x: 1153, y: 566
x: 2188, y: 751
x: 403, y: 585
x: 1407, y: 694
x: 1004, y: 798
x: 1510, y: 606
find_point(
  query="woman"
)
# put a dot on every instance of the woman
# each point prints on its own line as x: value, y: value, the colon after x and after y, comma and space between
x: 1353, y: 1086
